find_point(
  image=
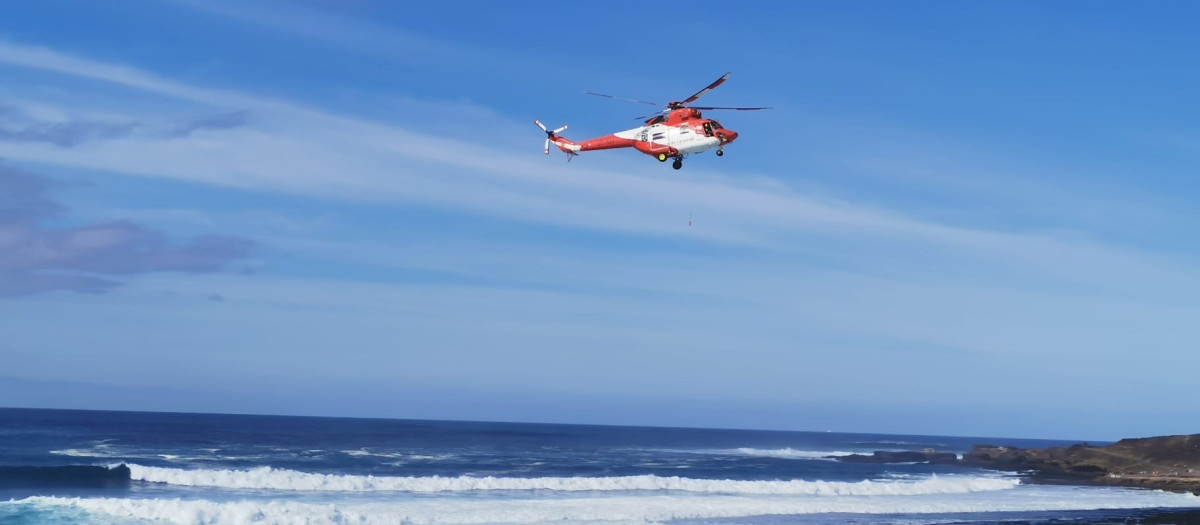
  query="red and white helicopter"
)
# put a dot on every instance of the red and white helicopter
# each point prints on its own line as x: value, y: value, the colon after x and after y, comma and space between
x: 675, y: 132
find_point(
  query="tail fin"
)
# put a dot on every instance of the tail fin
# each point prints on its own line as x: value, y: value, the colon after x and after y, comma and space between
x: 552, y: 136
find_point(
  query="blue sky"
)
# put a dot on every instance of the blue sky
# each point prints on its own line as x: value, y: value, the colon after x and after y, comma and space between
x: 959, y: 218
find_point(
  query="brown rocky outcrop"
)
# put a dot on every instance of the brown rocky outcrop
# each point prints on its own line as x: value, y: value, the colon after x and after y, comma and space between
x: 1166, y: 462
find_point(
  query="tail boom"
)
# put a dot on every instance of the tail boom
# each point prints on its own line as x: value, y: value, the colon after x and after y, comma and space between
x: 569, y: 146
x: 565, y: 145
x: 634, y: 138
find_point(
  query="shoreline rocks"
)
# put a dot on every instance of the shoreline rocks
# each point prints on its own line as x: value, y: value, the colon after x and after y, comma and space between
x: 1167, y: 462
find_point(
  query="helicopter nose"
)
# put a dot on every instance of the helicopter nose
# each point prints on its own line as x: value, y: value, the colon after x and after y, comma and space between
x: 727, y: 136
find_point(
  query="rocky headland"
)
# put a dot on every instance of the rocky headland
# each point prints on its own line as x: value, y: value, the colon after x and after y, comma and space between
x: 1166, y: 463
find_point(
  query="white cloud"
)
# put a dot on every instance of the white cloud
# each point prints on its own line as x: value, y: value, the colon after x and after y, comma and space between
x: 301, y: 150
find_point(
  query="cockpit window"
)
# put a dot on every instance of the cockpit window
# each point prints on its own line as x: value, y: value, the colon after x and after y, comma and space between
x: 717, y: 125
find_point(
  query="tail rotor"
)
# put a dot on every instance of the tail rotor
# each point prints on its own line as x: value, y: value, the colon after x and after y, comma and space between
x: 551, y: 135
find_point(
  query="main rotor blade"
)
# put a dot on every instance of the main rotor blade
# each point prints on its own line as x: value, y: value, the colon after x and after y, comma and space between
x: 623, y: 98
x: 737, y: 109
x: 652, y: 115
x: 710, y: 87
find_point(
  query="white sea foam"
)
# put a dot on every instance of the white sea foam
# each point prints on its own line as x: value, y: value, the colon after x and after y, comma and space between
x: 791, y: 453
x: 283, y: 479
x: 366, y: 452
x: 890, y: 442
x: 83, y: 453
x: 784, y: 453
x: 607, y: 510
x: 362, y: 452
x: 431, y: 457
x: 104, y: 451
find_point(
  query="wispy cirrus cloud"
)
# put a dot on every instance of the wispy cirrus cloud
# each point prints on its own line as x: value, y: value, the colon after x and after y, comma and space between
x: 219, y: 121
x: 306, y: 150
x: 66, y: 134
x: 298, y: 149
x: 19, y: 127
x: 36, y: 257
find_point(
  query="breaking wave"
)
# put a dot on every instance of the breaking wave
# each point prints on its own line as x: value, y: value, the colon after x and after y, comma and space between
x: 82, y: 453
x: 283, y: 479
x: 608, y: 510
x: 790, y: 453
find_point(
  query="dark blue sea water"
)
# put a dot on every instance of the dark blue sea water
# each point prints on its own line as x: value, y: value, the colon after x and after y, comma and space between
x: 66, y: 467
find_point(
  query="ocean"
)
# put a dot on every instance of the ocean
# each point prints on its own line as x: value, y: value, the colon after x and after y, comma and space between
x: 65, y: 467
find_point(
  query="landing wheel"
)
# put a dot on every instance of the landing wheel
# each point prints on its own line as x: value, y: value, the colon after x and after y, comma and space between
x: 662, y: 157
x: 720, y: 153
x: 678, y: 163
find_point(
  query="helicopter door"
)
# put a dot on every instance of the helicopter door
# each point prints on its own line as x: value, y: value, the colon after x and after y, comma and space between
x: 708, y: 132
x: 658, y: 135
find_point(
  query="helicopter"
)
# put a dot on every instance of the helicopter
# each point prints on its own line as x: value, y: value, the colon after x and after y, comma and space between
x: 671, y: 133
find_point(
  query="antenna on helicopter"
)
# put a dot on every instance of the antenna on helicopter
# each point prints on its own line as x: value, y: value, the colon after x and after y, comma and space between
x: 550, y: 134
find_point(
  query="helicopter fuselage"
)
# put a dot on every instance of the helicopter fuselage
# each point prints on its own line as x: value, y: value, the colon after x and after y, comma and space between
x: 680, y: 132
x: 675, y: 132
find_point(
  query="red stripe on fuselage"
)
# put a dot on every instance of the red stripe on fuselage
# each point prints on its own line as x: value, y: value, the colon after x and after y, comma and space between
x: 605, y: 142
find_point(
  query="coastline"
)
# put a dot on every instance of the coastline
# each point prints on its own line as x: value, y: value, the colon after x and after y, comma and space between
x: 1170, y: 463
